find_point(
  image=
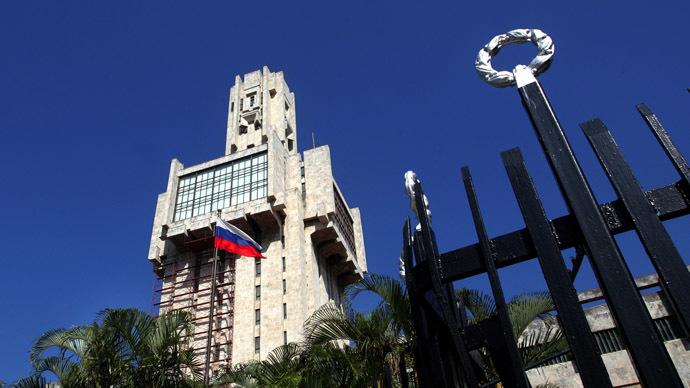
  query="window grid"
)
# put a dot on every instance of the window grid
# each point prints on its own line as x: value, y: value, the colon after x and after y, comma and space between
x: 222, y: 186
x: 344, y: 221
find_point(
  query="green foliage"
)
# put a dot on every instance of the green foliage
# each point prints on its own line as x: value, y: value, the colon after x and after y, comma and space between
x: 28, y: 382
x: 393, y: 297
x: 282, y: 368
x: 541, y: 341
x: 343, y: 348
x: 378, y: 338
x: 123, y: 348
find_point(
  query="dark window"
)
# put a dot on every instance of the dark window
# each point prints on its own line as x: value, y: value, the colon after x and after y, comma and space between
x: 257, y: 345
x: 257, y: 316
x: 258, y: 268
x: 243, y: 129
x: 284, y: 264
x: 232, y: 106
x: 284, y: 286
x: 285, y: 338
x: 284, y: 310
x: 258, y: 292
x: 251, y: 101
x: 241, y: 103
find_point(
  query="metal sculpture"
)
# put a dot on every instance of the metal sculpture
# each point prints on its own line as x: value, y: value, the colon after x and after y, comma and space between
x: 410, y: 181
x: 442, y: 352
x: 502, y: 79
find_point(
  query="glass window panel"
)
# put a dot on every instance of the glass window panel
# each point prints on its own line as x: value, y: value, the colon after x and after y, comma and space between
x: 222, y: 186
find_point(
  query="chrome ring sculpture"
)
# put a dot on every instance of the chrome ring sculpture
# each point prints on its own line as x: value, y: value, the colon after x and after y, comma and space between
x: 502, y: 79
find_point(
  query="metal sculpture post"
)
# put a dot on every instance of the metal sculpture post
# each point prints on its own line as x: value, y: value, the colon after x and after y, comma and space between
x: 647, y: 350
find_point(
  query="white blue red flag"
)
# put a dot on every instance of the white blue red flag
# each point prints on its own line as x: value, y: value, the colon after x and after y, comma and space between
x: 233, y: 240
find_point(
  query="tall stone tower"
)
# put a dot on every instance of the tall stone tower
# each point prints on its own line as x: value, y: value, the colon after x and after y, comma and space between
x: 287, y: 202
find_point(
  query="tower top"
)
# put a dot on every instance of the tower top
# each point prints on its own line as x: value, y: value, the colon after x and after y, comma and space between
x: 259, y: 103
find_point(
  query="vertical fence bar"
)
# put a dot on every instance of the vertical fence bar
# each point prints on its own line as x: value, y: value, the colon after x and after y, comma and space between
x: 570, y: 314
x: 511, y: 374
x: 467, y: 377
x: 649, y: 355
x: 665, y: 140
x: 446, y: 371
x: 673, y: 275
x: 431, y: 361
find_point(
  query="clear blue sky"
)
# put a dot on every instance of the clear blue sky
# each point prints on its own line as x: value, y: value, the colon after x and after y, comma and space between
x: 96, y: 98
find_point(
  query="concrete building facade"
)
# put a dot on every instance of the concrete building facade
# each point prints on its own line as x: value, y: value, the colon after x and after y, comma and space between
x: 287, y: 202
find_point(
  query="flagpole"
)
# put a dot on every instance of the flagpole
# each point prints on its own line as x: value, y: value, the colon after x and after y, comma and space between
x: 212, y: 303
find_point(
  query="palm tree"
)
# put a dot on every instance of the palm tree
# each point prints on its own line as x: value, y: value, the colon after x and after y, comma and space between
x: 164, y: 360
x: 379, y: 337
x: 329, y: 365
x: 374, y: 336
x: 537, y: 343
x: 393, y: 296
x: 282, y: 368
x: 326, y: 359
x: 128, y: 348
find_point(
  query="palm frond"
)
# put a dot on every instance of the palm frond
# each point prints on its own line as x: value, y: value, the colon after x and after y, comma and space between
x: 51, y: 338
x: 393, y: 294
x: 59, y: 366
x: 34, y: 381
x: 330, y: 323
x: 479, y: 304
x: 526, y: 307
x: 244, y: 375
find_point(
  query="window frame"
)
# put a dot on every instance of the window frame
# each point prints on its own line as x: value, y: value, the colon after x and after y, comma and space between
x: 222, y: 186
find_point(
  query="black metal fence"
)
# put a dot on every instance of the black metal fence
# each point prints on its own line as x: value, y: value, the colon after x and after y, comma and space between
x: 443, y: 353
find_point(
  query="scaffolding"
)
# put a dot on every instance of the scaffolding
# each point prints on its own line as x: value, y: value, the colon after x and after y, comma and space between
x: 185, y: 283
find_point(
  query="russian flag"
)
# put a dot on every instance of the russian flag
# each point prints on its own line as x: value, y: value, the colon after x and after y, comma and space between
x: 233, y: 240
